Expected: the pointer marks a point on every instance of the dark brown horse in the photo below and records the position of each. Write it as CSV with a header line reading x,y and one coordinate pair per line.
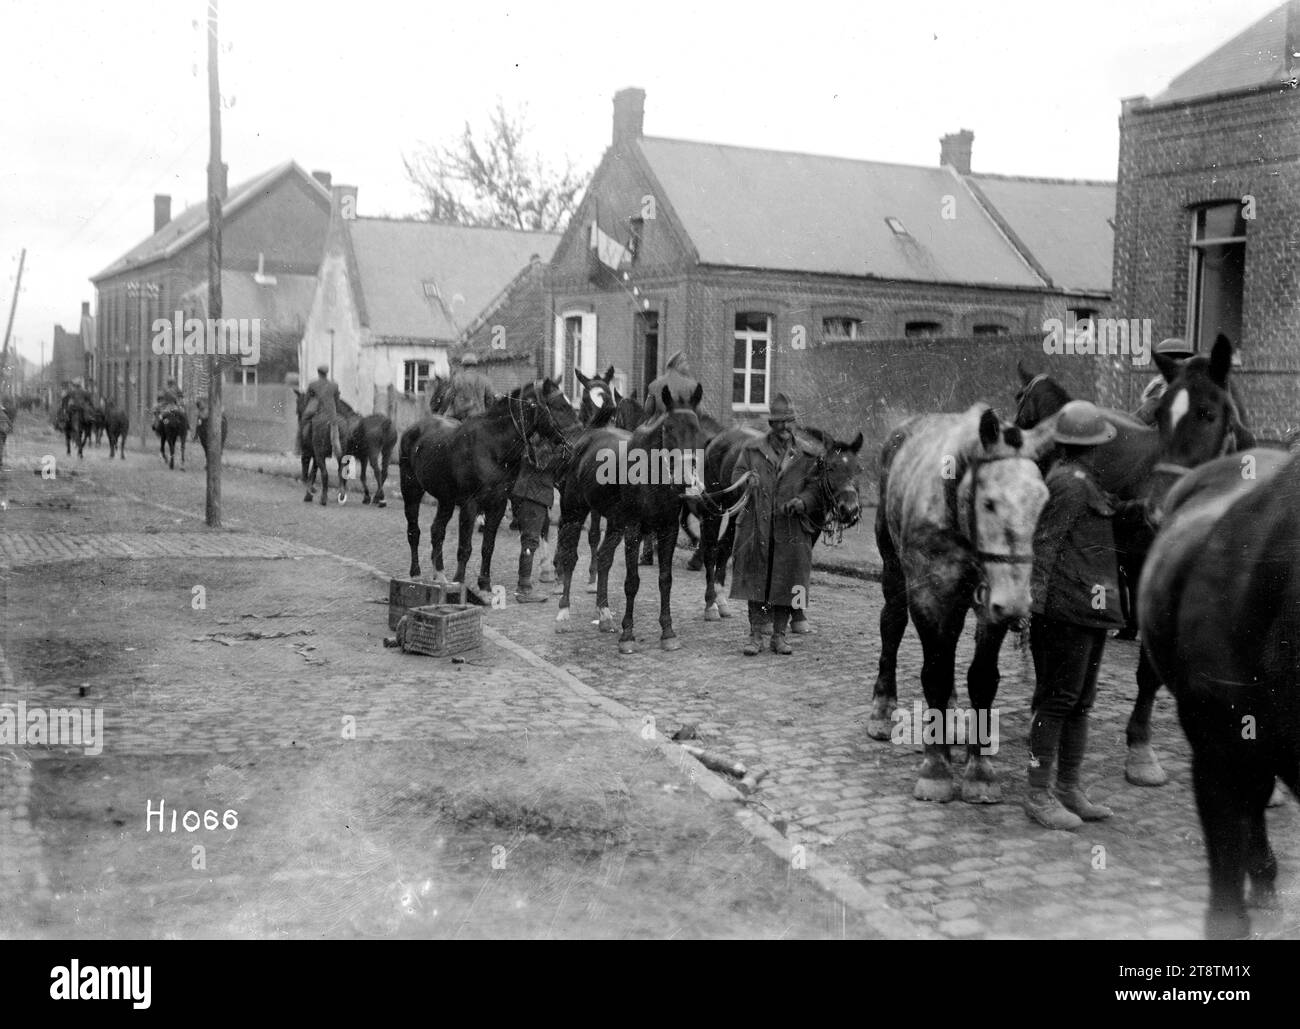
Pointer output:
x,y
116,425
1139,464
316,443
619,476
370,439
833,478
603,406
471,466
173,427
1219,605
74,421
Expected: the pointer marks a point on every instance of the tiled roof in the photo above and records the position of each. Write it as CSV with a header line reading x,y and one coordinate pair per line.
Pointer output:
x,y
282,306
193,221
429,280
1066,226
1255,57
752,208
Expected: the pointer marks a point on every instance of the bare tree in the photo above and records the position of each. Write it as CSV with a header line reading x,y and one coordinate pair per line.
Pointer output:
x,y
491,179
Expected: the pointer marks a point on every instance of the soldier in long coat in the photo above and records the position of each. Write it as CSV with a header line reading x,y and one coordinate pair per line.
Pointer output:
x,y
774,536
470,392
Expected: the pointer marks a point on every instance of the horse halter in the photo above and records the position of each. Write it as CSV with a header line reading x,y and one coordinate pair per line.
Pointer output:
x,y
988,556
833,525
521,422
1025,391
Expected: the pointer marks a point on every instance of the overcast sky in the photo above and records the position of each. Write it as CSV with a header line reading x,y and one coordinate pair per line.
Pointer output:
x,y
105,104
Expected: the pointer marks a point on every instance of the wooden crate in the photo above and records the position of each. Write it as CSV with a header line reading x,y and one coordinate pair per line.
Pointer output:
x,y
440,630
406,594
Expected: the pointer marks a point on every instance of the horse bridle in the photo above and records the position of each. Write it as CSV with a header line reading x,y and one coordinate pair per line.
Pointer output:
x,y
988,556
833,525
521,425
1024,394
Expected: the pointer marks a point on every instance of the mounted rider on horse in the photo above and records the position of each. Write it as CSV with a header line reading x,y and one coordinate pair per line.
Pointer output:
x,y
469,393
322,408
172,398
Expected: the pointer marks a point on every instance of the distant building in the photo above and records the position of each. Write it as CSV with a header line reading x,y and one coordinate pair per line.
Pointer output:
x,y
742,258
68,357
1208,218
396,297
273,232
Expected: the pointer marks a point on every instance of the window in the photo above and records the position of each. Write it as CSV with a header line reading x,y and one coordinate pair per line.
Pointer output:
x,y
575,347
431,290
1218,274
991,329
635,235
244,378
1074,315
841,328
573,341
896,226
415,376
916,330
752,364
645,350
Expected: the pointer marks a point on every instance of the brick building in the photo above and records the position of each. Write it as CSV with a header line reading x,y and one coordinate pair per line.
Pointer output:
x,y
397,296
273,231
1208,216
744,258
72,358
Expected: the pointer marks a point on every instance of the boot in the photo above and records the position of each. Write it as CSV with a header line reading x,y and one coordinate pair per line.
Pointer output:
x,y
800,627
779,644
1074,799
754,645
524,594
1044,808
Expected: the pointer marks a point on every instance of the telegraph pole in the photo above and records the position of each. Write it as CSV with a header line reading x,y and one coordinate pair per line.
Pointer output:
x,y
214,273
13,306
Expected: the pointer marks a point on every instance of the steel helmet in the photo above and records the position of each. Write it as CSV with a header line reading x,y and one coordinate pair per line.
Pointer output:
x,y
469,358
1174,347
1081,424
782,410
322,369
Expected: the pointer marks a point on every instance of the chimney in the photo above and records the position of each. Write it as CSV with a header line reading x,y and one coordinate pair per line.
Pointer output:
x,y
629,114
162,210
343,203
324,178
954,149
85,309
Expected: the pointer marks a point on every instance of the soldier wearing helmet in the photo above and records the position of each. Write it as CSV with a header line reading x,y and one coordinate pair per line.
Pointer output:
x,y
1179,351
1075,601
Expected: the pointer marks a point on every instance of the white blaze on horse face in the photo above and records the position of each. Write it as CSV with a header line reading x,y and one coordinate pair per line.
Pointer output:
x,y
598,398
1015,490
1178,407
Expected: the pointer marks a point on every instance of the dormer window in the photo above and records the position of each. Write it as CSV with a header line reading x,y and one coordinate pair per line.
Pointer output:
x,y
896,226
431,290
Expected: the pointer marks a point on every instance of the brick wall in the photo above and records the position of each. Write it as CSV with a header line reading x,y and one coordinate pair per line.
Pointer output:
x,y
1175,157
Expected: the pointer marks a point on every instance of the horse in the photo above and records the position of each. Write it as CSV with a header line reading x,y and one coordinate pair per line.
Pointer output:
x,y
201,431
1219,606
602,479
369,438
97,421
173,426
116,424
832,478
960,495
602,405
316,444
471,466
74,422
1132,466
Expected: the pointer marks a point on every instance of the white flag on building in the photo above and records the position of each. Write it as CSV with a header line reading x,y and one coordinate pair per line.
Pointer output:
x,y
611,252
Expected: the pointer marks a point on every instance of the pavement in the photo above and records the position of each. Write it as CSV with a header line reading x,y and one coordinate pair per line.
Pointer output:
x,y
827,798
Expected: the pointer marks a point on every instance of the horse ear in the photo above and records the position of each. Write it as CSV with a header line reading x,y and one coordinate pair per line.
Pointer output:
x,y
668,399
1168,366
1025,377
582,379
856,445
609,375
698,395
1221,360
990,429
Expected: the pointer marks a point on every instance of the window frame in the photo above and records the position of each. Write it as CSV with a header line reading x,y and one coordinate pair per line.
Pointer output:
x,y
750,337
420,387
1196,249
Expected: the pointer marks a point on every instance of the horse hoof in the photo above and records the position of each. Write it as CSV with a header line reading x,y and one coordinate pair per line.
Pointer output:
x,y
343,498
627,646
938,791
670,643
1142,767
563,623
880,722
979,785
723,609
440,578
546,575
802,628
711,613
381,503
1278,796
366,499
591,586
607,625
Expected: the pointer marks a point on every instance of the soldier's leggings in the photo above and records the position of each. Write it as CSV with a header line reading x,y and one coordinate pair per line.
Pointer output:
x,y
532,520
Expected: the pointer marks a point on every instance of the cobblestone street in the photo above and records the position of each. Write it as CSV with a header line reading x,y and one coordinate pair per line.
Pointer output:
x,y
903,868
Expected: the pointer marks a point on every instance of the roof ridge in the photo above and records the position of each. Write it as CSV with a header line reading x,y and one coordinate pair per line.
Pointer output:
x,y
395,220
1046,179
791,153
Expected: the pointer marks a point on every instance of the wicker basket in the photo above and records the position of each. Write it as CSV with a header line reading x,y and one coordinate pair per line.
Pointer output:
x,y
406,594
440,630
